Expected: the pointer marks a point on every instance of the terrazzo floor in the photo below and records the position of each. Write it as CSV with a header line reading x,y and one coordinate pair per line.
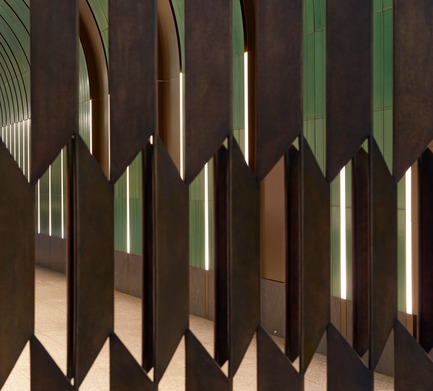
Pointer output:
x,y
50,326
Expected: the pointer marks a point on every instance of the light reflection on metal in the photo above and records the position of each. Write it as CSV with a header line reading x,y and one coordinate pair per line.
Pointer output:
x,y
247,150
408,211
181,137
206,216
343,239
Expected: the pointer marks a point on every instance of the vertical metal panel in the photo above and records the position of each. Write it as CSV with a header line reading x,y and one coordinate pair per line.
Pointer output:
x,y
221,256
17,273
132,80
413,82
125,373
348,79
148,311
383,275
274,370
413,367
94,267
244,256
345,369
202,372
315,250
208,80
361,253
278,80
44,373
293,259
171,298
54,79
425,311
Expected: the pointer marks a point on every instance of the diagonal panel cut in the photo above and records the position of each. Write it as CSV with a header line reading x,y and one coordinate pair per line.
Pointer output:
x,y
346,371
171,258
125,373
17,270
361,251
132,80
45,374
413,82
94,267
202,372
54,80
425,311
208,82
348,80
413,367
383,272
275,371
244,256
278,79
315,261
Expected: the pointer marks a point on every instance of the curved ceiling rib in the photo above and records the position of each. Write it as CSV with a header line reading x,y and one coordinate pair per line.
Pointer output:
x,y
14,61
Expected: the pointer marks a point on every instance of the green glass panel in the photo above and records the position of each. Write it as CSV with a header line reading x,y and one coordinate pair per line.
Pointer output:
x,y
319,74
388,57
377,60
388,137
135,205
44,206
335,250
308,17
120,214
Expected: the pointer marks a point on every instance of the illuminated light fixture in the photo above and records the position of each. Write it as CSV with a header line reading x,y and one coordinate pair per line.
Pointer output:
x,y
109,132
90,127
39,206
151,139
28,146
128,218
206,216
62,204
408,201
247,149
19,144
181,136
49,202
343,260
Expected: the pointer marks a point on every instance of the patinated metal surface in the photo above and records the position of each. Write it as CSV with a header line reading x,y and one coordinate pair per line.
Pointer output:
x,y
244,257
132,77
383,275
208,80
44,372
345,369
221,257
315,261
202,372
274,369
413,82
125,373
425,308
361,251
17,269
413,367
54,80
94,263
171,266
348,80
293,210
278,80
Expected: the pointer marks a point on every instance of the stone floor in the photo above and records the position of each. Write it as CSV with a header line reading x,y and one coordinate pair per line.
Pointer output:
x,y
51,330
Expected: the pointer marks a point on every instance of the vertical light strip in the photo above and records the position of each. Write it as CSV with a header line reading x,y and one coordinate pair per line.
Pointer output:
x,y
28,123
247,138
206,216
62,204
343,269
90,126
39,206
109,137
128,219
49,202
181,136
408,201
19,144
